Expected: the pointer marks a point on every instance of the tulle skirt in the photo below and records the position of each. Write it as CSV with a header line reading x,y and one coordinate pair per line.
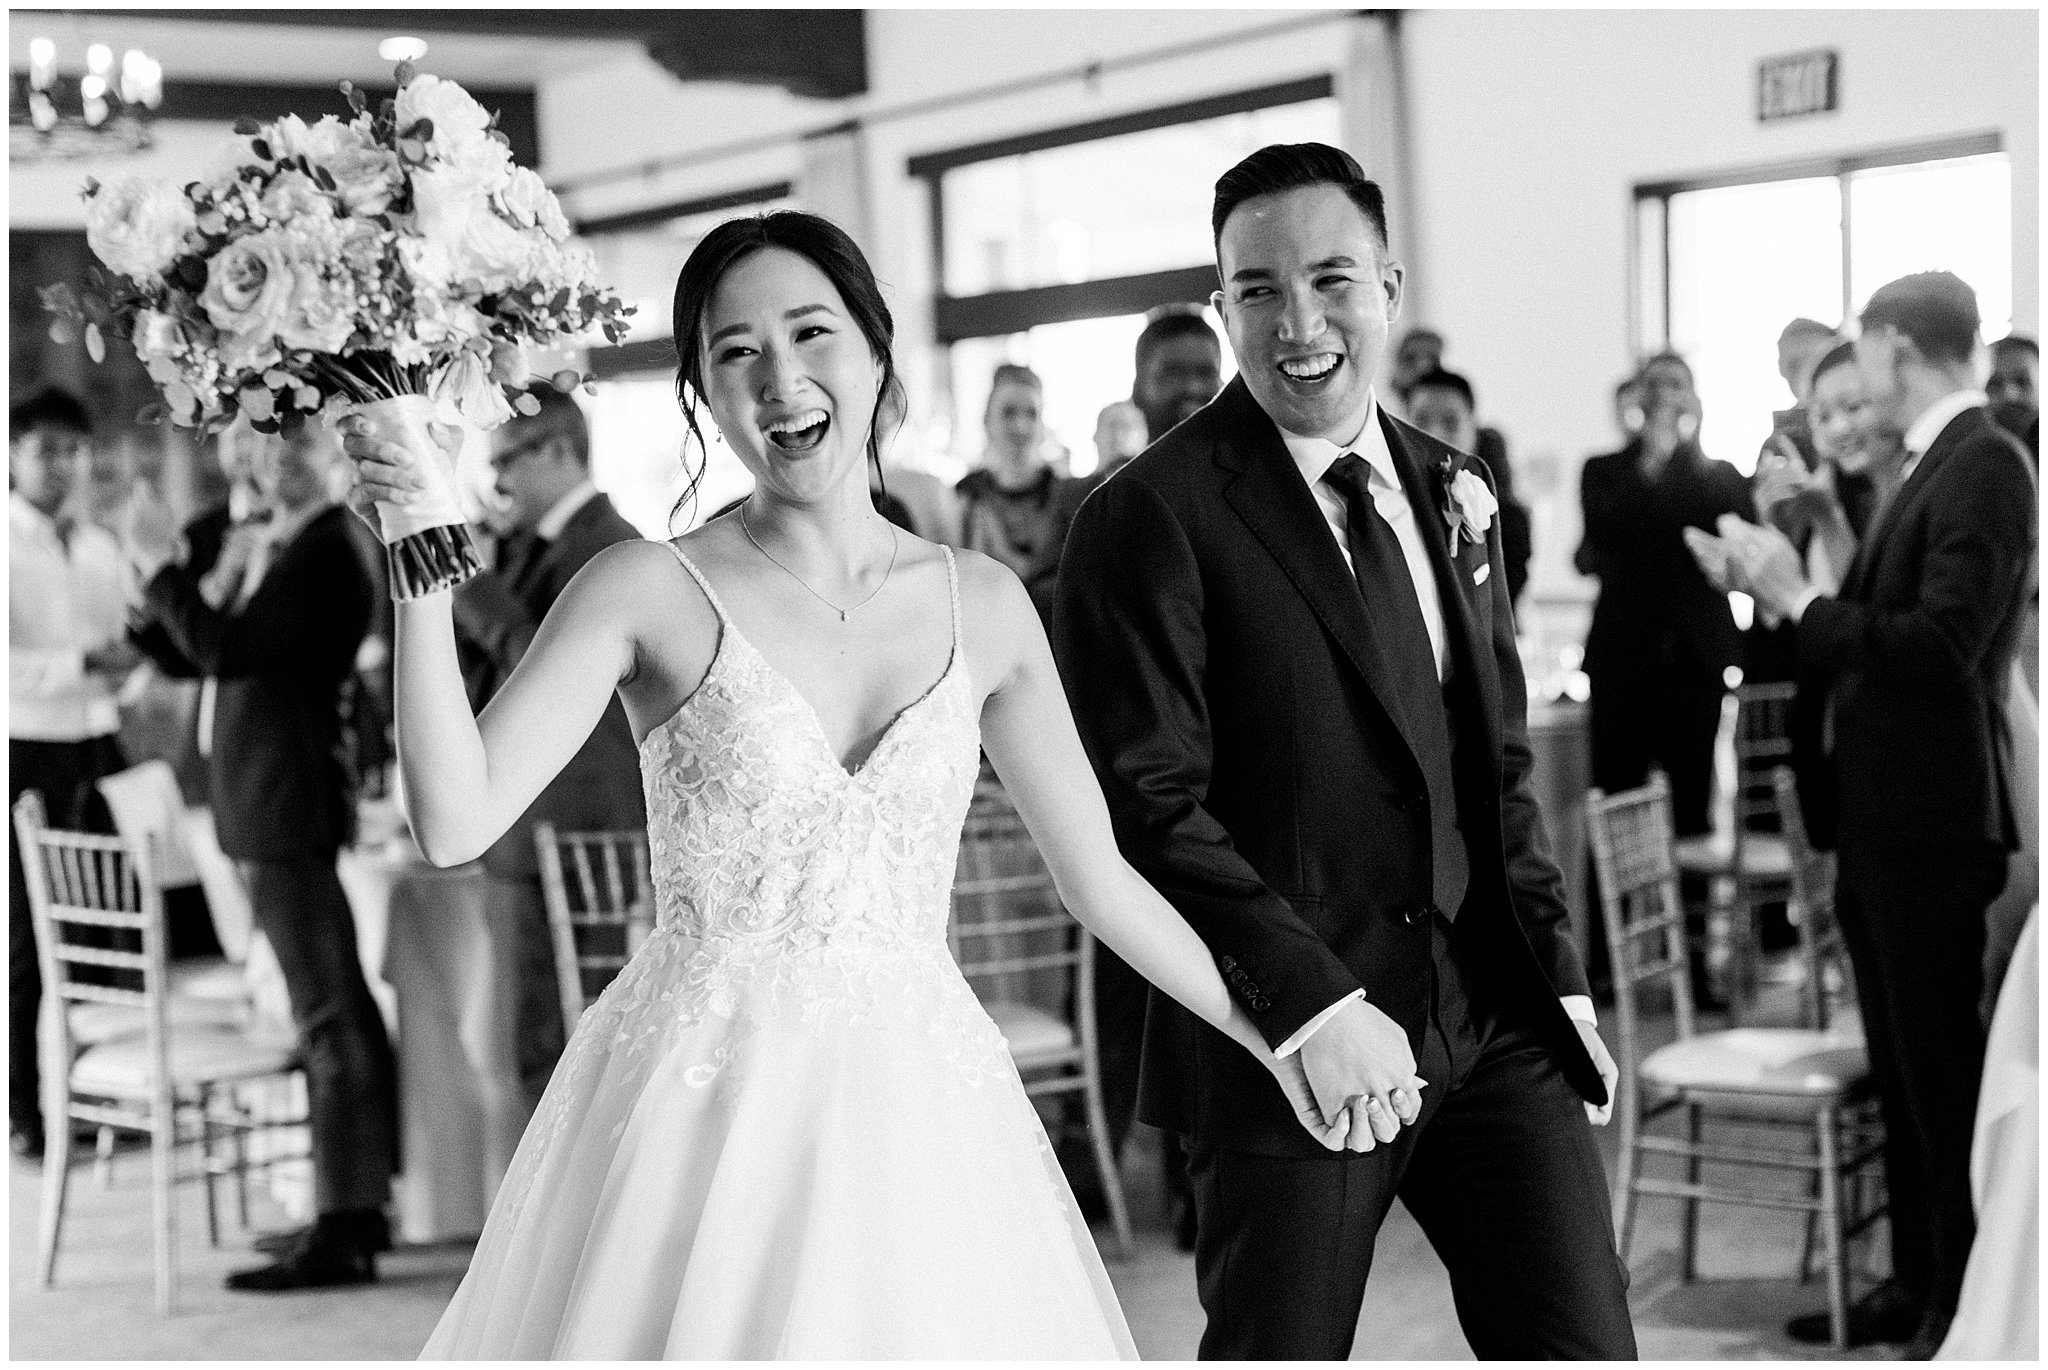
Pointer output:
x,y
850,1193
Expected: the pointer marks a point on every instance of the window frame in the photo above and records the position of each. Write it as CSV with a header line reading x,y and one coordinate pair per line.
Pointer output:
x,y
957,318
1645,339
658,354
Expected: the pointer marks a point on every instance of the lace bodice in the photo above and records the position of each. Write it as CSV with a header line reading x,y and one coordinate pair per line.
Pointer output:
x,y
762,840
786,885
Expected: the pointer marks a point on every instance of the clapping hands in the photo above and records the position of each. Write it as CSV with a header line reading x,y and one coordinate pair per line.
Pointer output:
x,y
1751,560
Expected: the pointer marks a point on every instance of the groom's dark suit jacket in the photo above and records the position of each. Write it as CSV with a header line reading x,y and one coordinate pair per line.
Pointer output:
x,y
1225,679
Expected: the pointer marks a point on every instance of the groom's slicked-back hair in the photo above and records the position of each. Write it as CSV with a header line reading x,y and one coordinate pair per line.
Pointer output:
x,y
1290,166
1936,309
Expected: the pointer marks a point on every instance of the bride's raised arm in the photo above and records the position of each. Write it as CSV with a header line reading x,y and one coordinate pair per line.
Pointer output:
x,y
1028,732
467,779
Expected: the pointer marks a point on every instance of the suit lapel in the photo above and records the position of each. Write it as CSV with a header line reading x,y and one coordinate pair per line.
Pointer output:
x,y
1856,584
1460,623
1275,503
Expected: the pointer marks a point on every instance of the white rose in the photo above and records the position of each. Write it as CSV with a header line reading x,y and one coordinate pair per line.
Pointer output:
x,y
293,193
459,121
463,236
292,136
138,227
528,202
365,177
366,174
321,318
249,287
1474,503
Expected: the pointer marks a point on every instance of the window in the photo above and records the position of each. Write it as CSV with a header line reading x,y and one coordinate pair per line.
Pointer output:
x,y
1050,247
1723,264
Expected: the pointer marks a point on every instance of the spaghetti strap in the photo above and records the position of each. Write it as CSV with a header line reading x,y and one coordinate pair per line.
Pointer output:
x,y
724,619
953,587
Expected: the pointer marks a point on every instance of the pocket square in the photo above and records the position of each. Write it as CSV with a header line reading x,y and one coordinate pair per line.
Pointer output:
x,y
1479,576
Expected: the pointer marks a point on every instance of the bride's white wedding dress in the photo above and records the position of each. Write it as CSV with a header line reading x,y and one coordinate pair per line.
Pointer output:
x,y
788,1129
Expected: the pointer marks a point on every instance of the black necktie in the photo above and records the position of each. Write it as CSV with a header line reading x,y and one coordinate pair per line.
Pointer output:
x,y
1394,607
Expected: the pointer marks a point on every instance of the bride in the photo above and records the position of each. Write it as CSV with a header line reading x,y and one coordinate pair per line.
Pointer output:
x,y
787,1129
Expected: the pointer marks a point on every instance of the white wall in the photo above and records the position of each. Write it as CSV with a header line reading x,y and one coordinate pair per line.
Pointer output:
x,y
1533,127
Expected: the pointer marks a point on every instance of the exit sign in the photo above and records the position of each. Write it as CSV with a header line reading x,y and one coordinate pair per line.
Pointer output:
x,y
1796,84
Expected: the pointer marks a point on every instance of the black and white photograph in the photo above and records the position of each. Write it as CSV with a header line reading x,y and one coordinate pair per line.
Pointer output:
x,y
1029,684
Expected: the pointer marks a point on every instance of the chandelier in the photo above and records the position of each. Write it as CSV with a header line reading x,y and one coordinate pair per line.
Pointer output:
x,y
107,111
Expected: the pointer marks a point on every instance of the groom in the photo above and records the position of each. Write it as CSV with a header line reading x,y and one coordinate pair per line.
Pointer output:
x,y
1288,641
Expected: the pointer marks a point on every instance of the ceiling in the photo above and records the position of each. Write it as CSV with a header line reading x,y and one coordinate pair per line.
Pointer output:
x,y
226,50
812,52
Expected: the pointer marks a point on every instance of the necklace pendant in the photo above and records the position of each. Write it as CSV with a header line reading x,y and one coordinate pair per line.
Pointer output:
x,y
843,615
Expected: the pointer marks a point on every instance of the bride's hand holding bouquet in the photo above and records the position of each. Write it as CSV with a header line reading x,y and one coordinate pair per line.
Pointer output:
x,y
396,267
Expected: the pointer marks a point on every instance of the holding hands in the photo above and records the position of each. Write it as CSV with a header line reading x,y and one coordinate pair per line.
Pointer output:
x,y
1359,1076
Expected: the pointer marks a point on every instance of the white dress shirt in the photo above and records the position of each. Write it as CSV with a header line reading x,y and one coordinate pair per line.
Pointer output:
x,y
1920,435
62,602
567,507
1313,457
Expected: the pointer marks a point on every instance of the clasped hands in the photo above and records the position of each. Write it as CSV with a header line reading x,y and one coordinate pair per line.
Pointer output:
x,y
1353,1082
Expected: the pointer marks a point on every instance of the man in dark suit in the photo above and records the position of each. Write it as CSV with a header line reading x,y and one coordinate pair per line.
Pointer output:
x,y
558,521
1662,638
1443,404
277,631
1290,652
1914,656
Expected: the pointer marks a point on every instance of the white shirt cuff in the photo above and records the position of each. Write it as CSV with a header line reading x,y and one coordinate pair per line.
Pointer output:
x,y
1579,1008
1308,1029
1806,597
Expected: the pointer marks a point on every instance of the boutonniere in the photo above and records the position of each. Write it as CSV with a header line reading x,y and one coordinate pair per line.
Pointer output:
x,y
1468,506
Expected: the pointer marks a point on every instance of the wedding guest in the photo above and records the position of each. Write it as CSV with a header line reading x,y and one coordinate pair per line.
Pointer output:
x,y
276,624
66,654
1628,407
1008,508
1662,638
2015,390
1915,651
1119,435
557,521
1442,404
916,501
1420,350
1178,368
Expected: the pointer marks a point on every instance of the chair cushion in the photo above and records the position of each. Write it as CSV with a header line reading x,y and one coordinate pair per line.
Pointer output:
x,y
199,1055
1762,853
1031,1032
92,1024
209,977
1788,1062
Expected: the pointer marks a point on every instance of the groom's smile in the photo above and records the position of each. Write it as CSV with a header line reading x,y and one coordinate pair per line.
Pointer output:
x,y
1307,299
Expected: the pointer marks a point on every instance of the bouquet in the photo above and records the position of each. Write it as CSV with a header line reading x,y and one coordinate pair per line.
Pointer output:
x,y
396,265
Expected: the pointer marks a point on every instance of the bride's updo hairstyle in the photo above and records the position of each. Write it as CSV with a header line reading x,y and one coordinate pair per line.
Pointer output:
x,y
824,245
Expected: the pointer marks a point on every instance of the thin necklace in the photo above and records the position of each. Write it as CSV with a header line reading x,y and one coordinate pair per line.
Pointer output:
x,y
894,546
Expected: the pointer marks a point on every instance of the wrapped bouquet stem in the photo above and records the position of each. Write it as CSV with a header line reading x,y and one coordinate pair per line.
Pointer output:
x,y
395,264
427,540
